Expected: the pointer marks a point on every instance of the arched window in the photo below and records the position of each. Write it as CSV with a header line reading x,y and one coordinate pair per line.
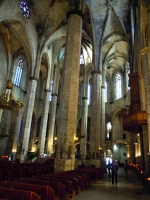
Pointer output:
x,y
89,94
81,60
105,91
18,74
109,127
118,86
24,9
51,89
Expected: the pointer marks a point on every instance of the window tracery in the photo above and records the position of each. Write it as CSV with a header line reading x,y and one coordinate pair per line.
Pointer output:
x,y
18,74
24,9
118,86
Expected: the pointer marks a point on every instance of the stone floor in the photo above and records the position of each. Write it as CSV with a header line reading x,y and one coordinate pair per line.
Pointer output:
x,y
128,188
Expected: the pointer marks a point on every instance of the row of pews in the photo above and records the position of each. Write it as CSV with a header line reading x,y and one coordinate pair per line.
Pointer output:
x,y
46,185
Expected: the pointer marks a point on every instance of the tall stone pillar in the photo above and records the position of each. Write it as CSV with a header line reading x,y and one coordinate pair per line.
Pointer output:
x,y
1,113
102,136
69,97
43,125
15,136
28,111
95,116
51,125
144,64
83,140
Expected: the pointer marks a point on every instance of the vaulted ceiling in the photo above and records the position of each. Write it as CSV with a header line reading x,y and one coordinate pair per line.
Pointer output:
x,y
106,28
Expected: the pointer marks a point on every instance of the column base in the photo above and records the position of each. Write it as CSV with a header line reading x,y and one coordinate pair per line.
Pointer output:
x,y
63,164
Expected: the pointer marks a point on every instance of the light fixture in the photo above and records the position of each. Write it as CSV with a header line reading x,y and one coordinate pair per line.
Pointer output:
x,y
7,100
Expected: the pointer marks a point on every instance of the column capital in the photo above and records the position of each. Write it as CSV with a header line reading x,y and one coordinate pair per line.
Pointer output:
x,y
77,12
47,90
33,78
54,94
96,72
84,98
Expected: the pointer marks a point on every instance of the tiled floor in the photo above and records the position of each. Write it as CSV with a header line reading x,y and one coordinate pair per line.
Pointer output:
x,y
127,189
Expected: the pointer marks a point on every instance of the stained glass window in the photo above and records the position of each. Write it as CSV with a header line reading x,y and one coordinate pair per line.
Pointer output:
x,y
105,91
51,91
24,9
81,59
118,86
18,74
89,94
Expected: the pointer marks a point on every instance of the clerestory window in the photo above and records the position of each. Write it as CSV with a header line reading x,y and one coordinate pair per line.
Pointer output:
x,y
18,74
81,60
118,86
51,89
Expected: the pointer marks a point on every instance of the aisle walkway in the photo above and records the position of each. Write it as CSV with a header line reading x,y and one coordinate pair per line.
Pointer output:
x,y
126,189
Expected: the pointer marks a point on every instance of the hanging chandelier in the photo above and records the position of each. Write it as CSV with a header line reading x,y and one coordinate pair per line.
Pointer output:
x,y
7,100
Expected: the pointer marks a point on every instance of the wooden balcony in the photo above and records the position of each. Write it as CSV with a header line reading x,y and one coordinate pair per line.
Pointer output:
x,y
134,121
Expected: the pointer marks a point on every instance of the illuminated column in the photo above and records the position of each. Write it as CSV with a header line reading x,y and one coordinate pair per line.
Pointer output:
x,y
136,149
128,152
69,97
28,111
83,140
95,114
15,136
51,125
1,113
138,144
43,125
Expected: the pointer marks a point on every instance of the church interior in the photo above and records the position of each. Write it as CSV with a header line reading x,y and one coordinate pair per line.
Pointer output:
x,y
74,81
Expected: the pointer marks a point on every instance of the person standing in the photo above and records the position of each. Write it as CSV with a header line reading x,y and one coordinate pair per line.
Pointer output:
x,y
126,168
109,168
114,172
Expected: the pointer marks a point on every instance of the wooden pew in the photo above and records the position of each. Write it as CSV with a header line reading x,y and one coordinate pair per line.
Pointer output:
x,y
6,175
45,192
13,194
18,173
66,182
75,180
60,189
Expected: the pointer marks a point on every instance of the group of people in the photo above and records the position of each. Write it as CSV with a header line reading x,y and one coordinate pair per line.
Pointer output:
x,y
114,168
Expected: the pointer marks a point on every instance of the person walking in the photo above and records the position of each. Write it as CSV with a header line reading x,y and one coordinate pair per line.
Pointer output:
x,y
114,172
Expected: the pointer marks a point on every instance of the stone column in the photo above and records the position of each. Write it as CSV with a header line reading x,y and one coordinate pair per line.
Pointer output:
x,y
95,116
136,153
83,140
69,97
102,136
128,153
144,65
28,111
51,125
15,135
43,125
1,113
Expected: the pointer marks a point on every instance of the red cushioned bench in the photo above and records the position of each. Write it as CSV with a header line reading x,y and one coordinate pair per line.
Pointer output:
x,y
6,175
60,189
13,194
75,181
66,182
45,192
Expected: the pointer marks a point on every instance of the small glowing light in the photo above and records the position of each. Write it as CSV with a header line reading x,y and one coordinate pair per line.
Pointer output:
x,y
55,138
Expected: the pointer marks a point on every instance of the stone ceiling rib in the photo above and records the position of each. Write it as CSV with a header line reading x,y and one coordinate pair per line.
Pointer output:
x,y
113,24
